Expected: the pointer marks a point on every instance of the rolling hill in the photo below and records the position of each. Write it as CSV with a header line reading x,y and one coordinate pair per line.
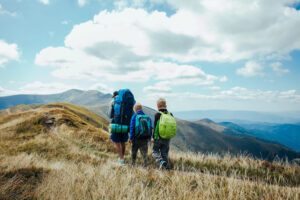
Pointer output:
x,y
225,128
74,96
241,116
286,134
199,136
63,151
207,136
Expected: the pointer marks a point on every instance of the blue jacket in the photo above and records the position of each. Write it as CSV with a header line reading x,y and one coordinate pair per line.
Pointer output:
x,y
132,124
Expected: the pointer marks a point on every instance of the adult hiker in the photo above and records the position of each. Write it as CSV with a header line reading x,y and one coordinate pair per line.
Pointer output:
x,y
164,129
121,111
111,107
140,133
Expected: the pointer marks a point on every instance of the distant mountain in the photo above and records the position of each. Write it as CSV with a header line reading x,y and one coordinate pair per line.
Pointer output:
x,y
233,126
208,136
198,136
79,97
286,134
240,116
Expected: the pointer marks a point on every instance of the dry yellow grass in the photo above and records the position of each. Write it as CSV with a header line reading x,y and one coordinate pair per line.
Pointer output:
x,y
73,158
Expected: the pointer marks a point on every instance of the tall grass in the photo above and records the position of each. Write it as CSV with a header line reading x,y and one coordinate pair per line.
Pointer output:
x,y
74,159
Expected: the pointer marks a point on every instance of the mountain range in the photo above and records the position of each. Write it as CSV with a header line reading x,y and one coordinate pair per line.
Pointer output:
x,y
241,116
74,96
286,134
208,136
196,136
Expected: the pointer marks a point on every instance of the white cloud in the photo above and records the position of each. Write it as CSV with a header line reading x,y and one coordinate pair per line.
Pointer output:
x,y
82,2
163,86
136,45
8,52
251,69
5,92
290,95
102,88
76,64
251,28
6,12
215,88
214,34
122,4
38,87
238,94
179,74
236,98
46,2
223,79
72,64
277,68
142,35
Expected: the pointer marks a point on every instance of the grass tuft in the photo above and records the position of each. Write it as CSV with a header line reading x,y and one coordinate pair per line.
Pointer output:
x,y
21,183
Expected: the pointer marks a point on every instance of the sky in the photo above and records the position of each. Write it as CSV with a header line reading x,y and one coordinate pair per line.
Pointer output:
x,y
198,54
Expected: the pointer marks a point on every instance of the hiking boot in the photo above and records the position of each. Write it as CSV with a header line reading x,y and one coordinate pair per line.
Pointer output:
x,y
163,164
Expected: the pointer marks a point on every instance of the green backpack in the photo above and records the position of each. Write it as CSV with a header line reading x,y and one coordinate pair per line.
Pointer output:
x,y
167,126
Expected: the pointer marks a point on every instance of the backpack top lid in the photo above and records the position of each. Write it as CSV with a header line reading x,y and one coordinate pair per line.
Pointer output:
x,y
121,93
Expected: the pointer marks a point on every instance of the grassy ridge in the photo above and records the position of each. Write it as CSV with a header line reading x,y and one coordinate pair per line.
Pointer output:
x,y
73,158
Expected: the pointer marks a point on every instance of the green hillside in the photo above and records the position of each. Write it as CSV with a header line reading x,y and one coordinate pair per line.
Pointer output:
x,y
63,151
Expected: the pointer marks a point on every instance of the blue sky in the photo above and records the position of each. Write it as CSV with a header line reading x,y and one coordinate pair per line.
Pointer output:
x,y
208,54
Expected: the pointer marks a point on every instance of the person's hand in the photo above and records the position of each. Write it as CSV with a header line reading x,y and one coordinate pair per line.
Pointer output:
x,y
130,141
152,140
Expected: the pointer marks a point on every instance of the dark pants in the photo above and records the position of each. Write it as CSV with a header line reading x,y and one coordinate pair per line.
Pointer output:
x,y
141,145
160,150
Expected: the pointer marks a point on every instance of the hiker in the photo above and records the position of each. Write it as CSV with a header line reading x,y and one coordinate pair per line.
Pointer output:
x,y
164,129
111,107
140,133
121,111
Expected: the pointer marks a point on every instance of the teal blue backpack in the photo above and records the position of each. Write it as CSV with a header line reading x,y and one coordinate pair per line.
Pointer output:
x,y
142,127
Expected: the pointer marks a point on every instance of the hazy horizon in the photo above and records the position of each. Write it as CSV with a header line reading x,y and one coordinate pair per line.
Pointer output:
x,y
178,111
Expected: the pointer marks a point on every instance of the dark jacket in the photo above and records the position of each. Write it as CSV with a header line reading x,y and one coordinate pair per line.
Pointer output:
x,y
156,119
132,125
111,111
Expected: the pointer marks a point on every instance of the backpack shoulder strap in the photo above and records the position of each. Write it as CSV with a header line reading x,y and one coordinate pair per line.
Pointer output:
x,y
161,112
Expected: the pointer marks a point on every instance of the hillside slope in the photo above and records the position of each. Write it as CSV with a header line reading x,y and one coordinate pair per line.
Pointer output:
x,y
199,138
206,136
63,151
192,136
287,134
225,128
